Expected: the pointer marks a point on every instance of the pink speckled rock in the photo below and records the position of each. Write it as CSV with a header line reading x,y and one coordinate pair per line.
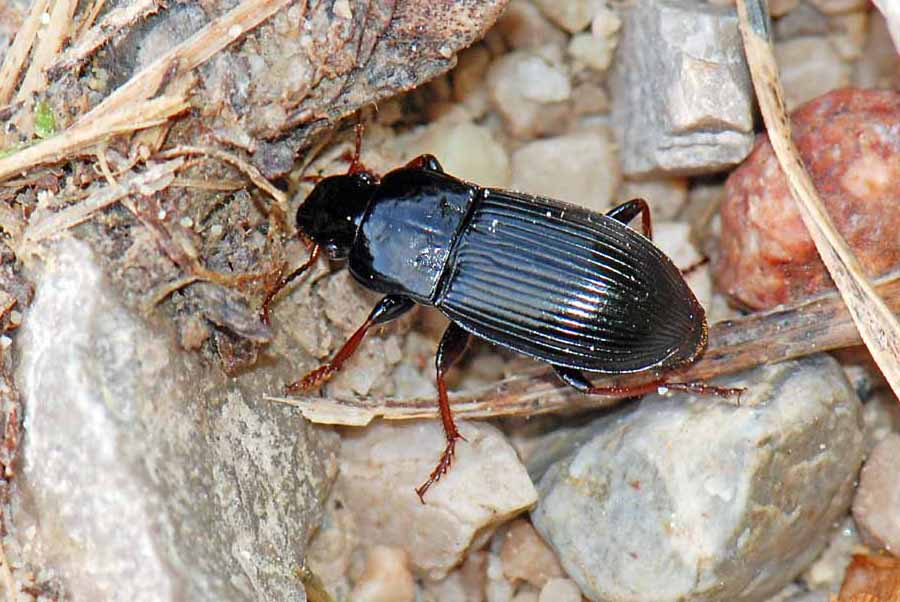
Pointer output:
x,y
850,143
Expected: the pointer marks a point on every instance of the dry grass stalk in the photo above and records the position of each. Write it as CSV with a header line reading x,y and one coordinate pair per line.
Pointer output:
x,y
80,137
115,21
186,56
819,324
18,51
281,199
879,328
156,177
49,45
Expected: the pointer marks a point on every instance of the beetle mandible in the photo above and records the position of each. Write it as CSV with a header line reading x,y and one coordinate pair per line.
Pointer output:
x,y
576,289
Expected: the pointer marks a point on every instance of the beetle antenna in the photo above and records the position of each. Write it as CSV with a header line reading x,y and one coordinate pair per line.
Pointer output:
x,y
285,280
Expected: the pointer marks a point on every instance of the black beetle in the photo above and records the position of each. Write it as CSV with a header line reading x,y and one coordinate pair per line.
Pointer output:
x,y
576,289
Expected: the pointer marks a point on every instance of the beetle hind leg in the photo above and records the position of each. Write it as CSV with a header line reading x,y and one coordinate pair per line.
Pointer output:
x,y
578,381
628,210
451,347
389,308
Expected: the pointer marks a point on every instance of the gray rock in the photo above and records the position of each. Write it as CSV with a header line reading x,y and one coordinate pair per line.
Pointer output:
x,y
152,476
696,499
682,96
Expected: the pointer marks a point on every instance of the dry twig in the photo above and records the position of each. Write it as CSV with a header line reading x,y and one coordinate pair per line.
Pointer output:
x,y
186,56
80,137
115,21
156,177
281,199
18,51
48,48
812,326
878,327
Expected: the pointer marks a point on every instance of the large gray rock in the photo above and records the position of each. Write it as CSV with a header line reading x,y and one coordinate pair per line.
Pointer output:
x,y
682,96
695,499
151,476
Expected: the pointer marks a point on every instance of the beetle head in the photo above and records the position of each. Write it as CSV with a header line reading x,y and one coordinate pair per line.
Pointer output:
x,y
333,210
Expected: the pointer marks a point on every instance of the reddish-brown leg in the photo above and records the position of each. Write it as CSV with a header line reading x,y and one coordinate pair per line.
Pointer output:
x,y
628,211
451,347
283,281
389,308
356,165
694,266
578,381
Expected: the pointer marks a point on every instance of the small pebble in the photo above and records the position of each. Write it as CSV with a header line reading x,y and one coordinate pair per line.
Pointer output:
x,y
809,67
571,15
15,317
560,590
577,168
530,92
216,230
161,215
386,577
186,222
592,51
876,507
5,342
526,557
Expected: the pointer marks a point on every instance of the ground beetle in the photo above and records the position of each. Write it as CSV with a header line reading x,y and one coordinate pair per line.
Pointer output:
x,y
576,289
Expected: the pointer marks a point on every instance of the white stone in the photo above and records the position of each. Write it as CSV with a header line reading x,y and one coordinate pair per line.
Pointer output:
x,y
560,590
466,150
381,465
578,168
386,577
809,67
526,557
666,197
674,240
523,26
571,15
530,91
592,51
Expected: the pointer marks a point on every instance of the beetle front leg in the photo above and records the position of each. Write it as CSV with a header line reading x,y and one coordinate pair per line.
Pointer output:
x,y
451,347
578,381
389,308
628,211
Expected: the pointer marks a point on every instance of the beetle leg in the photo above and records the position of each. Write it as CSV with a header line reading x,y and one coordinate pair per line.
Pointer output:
x,y
451,347
687,271
389,308
628,211
285,280
578,381
426,161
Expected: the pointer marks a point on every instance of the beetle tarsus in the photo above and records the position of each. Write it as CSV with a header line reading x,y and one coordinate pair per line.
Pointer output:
x,y
443,466
579,382
314,379
450,349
